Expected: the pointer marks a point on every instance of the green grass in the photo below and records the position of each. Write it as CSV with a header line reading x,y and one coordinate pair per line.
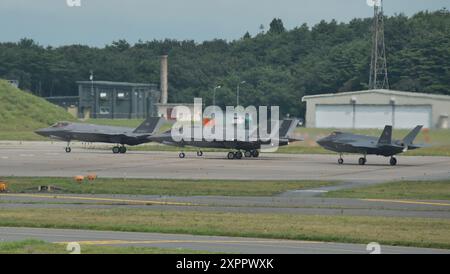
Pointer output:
x,y
419,190
419,232
163,187
40,247
23,112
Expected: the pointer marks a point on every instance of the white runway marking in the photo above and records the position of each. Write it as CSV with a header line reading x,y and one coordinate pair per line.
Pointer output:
x,y
26,155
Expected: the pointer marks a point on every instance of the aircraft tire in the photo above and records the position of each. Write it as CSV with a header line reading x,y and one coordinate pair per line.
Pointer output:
x,y
238,155
123,150
248,154
116,150
341,161
362,161
68,150
231,155
182,155
393,161
199,153
255,153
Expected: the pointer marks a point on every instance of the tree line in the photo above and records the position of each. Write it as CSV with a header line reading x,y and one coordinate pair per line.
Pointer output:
x,y
279,66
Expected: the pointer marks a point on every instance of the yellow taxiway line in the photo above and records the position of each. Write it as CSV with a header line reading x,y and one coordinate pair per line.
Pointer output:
x,y
406,202
114,200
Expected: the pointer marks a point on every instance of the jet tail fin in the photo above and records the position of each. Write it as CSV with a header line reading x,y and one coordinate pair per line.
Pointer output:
x,y
409,139
151,125
287,127
386,136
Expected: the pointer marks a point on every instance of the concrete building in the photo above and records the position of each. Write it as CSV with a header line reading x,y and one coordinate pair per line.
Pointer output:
x,y
117,100
377,108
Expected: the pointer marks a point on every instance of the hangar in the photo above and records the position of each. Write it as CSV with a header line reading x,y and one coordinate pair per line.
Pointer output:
x,y
377,108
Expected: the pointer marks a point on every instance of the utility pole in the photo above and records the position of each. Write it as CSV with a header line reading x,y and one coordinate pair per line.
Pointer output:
x,y
378,65
238,90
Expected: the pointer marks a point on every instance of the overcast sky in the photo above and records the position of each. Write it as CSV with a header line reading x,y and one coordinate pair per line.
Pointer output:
x,y
98,22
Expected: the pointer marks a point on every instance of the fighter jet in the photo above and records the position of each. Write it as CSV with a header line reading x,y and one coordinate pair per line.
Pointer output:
x,y
67,131
250,148
367,145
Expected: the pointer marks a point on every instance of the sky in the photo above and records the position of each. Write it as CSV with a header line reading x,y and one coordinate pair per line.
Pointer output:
x,y
99,22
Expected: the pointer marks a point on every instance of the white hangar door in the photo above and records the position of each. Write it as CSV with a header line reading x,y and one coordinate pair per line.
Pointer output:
x,y
334,116
408,117
373,116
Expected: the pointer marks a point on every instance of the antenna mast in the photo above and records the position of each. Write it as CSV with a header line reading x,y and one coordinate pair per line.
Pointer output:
x,y
378,65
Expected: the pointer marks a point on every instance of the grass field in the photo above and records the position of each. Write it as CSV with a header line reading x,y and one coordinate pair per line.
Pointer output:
x,y
41,247
163,187
422,190
22,112
346,229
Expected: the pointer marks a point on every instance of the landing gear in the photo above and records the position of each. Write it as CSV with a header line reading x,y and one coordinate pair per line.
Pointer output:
x,y
362,161
340,160
393,161
119,149
231,155
182,155
199,153
68,149
239,155
255,153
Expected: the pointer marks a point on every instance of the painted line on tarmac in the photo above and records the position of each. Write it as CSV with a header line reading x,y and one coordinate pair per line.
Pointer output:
x,y
126,201
406,202
258,243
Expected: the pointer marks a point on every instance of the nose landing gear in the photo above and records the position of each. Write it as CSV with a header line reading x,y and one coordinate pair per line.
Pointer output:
x,y
68,149
393,161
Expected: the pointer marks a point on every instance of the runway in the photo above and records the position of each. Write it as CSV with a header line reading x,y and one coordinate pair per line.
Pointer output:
x,y
49,159
271,205
199,243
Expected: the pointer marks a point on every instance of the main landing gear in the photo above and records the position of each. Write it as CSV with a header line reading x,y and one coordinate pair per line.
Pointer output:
x,y
239,155
362,161
119,149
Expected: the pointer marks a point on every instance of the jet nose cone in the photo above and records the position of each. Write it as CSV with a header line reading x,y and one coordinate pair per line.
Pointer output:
x,y
322,141
42,132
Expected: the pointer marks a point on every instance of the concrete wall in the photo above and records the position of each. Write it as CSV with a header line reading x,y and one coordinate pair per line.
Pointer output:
x,y
440,106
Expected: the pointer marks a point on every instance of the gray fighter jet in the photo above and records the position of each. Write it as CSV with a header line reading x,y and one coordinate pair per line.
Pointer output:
x,y
367,145
250,148
121,136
